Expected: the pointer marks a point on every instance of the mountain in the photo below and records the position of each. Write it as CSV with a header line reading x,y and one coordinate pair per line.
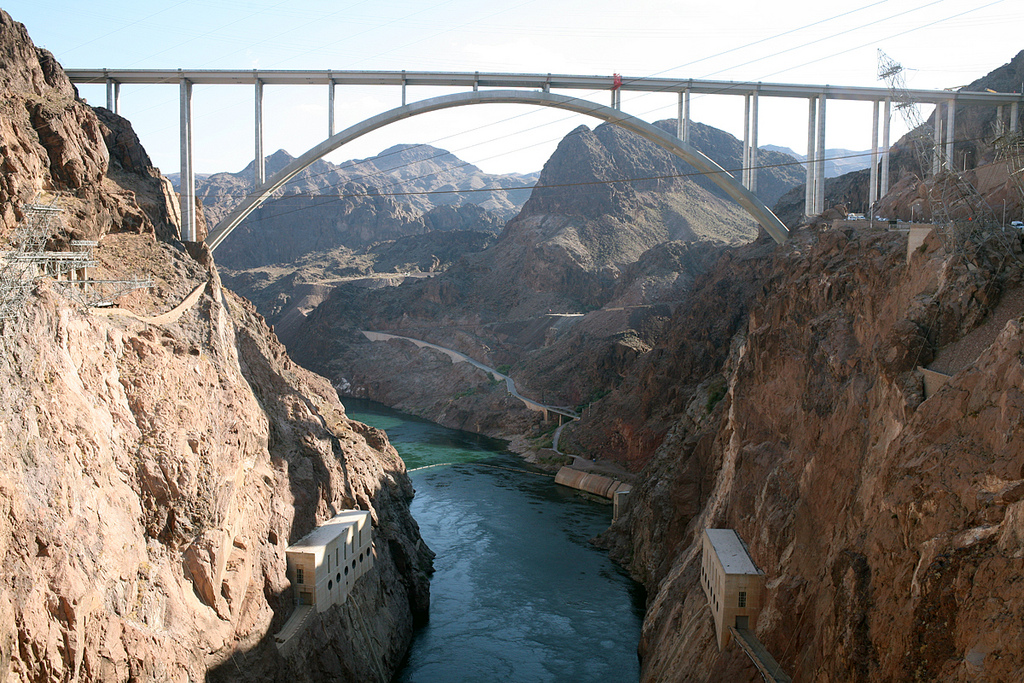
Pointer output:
x,y
837,161
405,190
584,242
777,172
157,457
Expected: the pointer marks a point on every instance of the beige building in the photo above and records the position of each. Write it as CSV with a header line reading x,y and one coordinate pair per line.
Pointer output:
x,y
324,564
732,583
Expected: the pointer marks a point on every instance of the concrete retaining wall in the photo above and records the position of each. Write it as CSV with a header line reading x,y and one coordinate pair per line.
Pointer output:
x,y
933,381
597,484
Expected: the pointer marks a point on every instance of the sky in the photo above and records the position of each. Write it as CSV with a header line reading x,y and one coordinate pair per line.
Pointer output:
x,y
941,43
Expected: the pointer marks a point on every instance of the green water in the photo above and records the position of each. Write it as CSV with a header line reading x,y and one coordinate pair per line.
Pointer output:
x,y
518,594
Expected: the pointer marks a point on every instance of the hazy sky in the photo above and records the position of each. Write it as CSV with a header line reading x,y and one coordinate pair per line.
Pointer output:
x,y
943,43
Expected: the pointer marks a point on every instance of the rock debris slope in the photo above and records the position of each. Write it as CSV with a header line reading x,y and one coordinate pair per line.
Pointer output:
x,y
151,475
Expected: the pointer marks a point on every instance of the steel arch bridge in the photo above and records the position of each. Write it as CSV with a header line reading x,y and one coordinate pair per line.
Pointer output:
x,y
744,197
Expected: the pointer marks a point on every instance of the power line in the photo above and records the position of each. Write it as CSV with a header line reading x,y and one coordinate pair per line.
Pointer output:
x,y
582,97
613,181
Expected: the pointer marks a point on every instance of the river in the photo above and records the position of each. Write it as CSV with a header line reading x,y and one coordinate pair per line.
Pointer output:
x,y
518,593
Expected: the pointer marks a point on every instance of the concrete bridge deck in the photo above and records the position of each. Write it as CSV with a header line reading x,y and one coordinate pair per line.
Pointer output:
x,y
543,81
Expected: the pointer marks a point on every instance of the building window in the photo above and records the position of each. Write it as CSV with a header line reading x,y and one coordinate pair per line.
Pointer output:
x,y
743,599
299,575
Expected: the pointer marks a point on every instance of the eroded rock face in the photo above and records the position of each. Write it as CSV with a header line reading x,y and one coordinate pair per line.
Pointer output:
x,y
152,478
887,524
51,142
152,472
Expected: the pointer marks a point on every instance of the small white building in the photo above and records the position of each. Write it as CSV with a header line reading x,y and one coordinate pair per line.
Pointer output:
x,y
734,586
324,564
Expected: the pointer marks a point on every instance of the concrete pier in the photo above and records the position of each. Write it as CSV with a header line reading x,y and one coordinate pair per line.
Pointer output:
x,y
752,178
812,105
873,187
259,164
113,96
330,108
819,165
885,147
188,174
950,135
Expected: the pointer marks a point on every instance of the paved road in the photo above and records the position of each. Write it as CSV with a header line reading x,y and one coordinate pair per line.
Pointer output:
x,y
458,357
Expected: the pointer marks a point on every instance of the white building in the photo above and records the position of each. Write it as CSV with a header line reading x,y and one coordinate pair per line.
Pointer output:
x,y
324,564
733,585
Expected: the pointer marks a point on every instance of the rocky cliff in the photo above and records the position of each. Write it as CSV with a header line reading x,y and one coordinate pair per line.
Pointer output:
x,y
784,401
156,461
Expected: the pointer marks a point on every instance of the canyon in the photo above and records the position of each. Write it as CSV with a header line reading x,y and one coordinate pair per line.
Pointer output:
x,y
155,468
774,389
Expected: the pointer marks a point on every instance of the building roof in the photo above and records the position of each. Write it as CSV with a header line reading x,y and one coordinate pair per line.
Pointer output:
x,y
328,531
731,551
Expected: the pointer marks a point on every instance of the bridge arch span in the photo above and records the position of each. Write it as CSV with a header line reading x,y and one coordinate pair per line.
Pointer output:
x,y
744,197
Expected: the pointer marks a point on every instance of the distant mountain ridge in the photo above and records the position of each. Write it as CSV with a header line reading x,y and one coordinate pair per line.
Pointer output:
x,y
837,161
404,190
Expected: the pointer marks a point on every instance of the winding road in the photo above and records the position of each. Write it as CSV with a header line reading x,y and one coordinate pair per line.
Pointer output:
x,y
458,357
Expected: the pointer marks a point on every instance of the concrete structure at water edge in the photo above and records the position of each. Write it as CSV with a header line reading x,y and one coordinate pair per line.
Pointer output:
x,y
732,583
597,484
325,563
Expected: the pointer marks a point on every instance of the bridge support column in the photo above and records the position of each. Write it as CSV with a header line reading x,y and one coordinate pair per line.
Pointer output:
x,y
1013,117
680,117
937,139
819,170
685,137
950,127
812,153
745,163
113,96
258,161
683,116
885,147
403,87
753,143
873,187
1000,123
188,176
330,108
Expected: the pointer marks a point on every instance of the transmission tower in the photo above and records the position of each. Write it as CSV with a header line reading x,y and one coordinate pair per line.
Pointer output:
x,y
1010,149
28,260
957,208
20,265
892,72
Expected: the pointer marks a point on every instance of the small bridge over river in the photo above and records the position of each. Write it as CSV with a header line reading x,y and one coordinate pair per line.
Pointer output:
x,y
536,89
